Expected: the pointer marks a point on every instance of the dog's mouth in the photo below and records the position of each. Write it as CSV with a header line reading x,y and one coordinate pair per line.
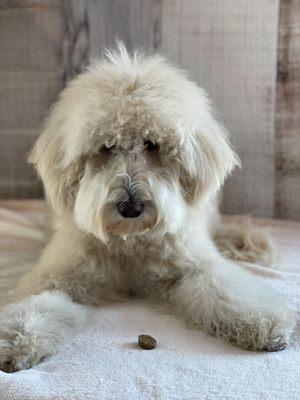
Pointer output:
x,y
130,217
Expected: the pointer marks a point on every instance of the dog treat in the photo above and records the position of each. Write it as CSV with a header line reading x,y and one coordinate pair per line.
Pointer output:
x,y
147,342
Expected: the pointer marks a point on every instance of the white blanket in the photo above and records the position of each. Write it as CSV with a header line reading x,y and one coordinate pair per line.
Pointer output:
x,y
104,361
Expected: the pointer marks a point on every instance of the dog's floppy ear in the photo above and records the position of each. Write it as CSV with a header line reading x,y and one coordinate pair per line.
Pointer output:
x,y
207,160
60,179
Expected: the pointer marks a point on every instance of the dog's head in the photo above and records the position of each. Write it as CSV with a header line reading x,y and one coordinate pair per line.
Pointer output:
x,y
130,147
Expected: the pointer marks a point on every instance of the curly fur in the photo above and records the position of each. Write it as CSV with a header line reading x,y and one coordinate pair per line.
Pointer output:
x,y
93,156
242,241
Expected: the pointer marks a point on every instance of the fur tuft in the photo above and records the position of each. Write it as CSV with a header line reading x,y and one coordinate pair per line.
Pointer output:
x,y
242,241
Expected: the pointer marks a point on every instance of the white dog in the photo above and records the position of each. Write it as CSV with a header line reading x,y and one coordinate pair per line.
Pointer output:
x,y
132,158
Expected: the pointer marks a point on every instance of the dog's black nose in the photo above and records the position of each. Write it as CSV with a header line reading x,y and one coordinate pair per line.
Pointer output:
x,y
130,208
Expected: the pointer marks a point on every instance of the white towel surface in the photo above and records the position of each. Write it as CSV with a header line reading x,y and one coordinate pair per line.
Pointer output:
x,y
104,361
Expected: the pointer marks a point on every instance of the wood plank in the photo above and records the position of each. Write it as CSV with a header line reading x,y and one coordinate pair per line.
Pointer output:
x,y
135,22
76,37
229,48
17,178
28,97
30,3
288,112
29,36
288,192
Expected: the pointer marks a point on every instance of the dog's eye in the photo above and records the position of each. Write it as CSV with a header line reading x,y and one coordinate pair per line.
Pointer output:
x,y
105,150
150,146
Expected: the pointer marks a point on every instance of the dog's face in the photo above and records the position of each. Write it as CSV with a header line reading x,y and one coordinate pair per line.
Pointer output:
x,y
129,185
131,146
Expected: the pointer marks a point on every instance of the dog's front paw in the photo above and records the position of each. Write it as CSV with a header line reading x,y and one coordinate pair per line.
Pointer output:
x,y
278,336
6,359
36,328
276,344
15,354
268,332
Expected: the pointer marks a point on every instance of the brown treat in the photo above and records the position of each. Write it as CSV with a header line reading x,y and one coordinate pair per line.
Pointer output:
x,y
147,342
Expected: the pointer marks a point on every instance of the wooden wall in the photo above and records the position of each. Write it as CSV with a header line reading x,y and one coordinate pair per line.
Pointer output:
x,y
30,77
287,134
230,48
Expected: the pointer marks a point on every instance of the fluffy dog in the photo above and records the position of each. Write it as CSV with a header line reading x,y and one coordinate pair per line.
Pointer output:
x,y
132,159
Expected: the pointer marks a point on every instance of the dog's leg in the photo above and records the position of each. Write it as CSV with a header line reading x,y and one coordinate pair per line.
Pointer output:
x,y
35,328
44,315
224,300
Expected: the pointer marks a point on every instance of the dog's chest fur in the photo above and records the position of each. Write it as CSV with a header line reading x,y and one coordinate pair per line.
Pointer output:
x,y
138,266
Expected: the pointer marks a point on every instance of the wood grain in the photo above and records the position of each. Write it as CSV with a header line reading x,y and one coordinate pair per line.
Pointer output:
x,y
29,93
17,178
230,49
30,77
288,112
76,37
43,44
135,22
29,37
